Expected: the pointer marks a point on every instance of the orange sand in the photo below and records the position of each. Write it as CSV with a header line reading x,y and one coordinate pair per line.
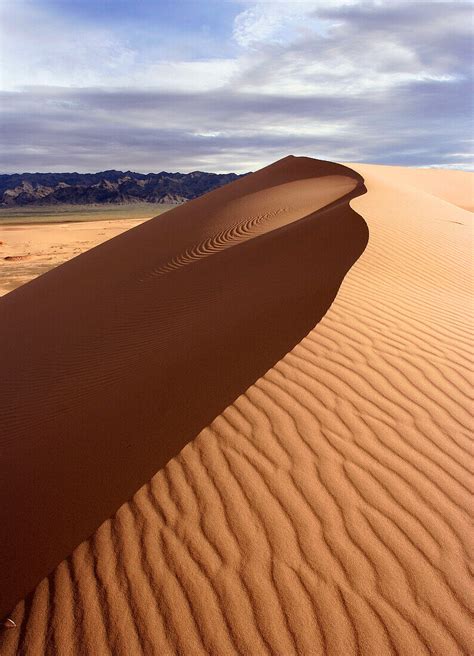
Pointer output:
x,y
326,510
29,250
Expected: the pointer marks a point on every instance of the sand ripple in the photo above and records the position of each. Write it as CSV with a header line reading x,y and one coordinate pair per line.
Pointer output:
x,y
327,510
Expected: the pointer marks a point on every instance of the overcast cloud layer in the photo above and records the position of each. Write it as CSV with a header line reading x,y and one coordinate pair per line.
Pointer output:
x,y
233,85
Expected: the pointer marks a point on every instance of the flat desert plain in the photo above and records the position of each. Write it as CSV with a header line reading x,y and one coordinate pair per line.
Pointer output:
x,y
243,427
36,239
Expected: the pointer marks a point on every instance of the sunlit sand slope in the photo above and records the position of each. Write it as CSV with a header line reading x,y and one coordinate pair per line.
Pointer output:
x,y
456,187
327,510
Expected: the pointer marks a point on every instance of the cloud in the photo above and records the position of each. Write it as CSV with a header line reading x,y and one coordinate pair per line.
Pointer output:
x,y
44,49
360,81
272,23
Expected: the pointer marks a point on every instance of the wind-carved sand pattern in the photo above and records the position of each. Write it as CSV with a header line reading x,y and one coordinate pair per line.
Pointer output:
x,y
230,230
327,511
237,232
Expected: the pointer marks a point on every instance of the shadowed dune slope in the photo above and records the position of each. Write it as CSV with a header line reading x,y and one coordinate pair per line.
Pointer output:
x,y
112,362
327,511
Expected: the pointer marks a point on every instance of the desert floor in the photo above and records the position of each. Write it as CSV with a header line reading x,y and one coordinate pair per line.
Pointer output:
x,y
244,427
34,240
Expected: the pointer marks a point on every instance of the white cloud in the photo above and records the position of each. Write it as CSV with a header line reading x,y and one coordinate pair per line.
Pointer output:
x,y
345,48
348,81
186,75
280,21
41,48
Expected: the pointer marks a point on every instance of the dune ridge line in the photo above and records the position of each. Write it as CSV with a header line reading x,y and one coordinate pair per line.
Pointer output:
x,y
328,510
113,361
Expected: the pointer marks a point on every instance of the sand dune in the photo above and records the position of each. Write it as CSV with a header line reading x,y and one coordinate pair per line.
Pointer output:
x,y
455,187
326,510
133,352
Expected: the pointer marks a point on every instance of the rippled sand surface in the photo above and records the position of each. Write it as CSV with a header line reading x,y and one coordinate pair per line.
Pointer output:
x,y
318,339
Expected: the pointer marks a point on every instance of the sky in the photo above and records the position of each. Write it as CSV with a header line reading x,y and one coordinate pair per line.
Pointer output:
x,y
233,85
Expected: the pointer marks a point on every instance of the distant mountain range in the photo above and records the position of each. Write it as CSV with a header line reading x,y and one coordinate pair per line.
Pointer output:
x,y
19,189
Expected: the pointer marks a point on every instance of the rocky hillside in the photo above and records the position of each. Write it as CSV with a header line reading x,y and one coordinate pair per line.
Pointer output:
x,y
106,187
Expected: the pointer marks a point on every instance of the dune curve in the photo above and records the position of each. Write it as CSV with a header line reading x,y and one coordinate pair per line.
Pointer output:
x,y
113,361
328,510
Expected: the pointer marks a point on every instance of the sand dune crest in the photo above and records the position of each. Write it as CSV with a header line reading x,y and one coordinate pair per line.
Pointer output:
x,y
113,361
328,509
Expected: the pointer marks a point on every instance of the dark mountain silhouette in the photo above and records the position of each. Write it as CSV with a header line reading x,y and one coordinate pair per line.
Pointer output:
x,y
107,187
